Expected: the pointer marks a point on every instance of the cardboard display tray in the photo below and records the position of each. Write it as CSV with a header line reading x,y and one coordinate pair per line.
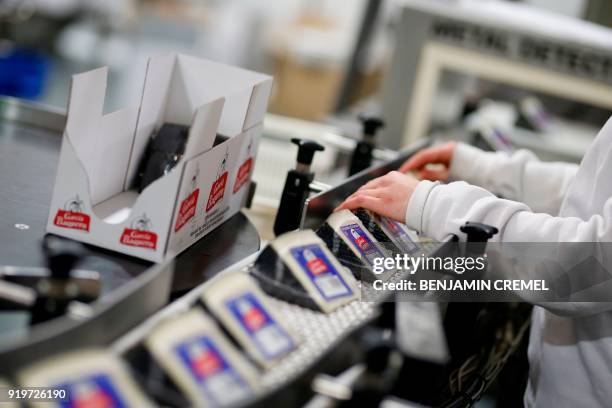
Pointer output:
x,y
30,139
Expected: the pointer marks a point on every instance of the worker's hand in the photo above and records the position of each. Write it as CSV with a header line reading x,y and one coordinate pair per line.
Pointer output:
x,y
423,162
388,195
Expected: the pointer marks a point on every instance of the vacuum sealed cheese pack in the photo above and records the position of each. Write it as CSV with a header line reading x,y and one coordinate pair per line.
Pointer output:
x,y
315,267
403,238
201,361
356,236
89,378
244,310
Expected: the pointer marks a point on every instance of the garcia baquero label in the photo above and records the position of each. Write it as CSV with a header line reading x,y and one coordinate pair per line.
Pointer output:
x,y
217,191
73,220
244,174
187,210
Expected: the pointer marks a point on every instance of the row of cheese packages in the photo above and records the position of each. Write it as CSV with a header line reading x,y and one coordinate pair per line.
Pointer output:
x,y
201,350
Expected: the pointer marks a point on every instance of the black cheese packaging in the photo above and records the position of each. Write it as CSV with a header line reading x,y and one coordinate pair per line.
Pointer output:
x,y
193,351
354,245
92,378
244,310
299,268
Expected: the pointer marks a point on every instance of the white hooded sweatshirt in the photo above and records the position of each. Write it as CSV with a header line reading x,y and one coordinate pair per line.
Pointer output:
x,y
570,346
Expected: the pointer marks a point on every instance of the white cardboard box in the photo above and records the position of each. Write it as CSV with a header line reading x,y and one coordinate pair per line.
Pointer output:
x,y
92,199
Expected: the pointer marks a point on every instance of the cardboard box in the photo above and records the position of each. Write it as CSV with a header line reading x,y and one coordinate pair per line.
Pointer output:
x,y
93,199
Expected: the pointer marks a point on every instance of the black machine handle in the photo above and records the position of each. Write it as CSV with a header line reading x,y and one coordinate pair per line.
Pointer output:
x,y
371,124
478,235
62,255
55,293
478,232
306,150
361,158
297,187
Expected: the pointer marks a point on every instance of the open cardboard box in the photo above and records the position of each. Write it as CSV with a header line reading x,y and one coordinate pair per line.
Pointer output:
x,y
94,200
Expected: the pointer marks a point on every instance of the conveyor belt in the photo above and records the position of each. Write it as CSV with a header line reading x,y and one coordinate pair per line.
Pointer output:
x,y
319,333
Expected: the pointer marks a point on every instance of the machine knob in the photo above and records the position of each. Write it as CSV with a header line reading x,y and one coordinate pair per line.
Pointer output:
x,y
478,232
54,294
306,150
297,188
477,236
62,255
371,124
362,155
378,345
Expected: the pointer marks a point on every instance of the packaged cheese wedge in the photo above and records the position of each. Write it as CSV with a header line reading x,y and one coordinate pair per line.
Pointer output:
x,y
201,361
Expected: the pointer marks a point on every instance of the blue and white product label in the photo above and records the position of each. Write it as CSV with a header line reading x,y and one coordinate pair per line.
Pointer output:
x,y
321,272
269,337
398,233
364,245
96,390
219,380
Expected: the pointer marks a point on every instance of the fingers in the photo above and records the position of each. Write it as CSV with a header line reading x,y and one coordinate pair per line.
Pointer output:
x,y
434,174
381,182
433,155
381,193
420,159
367,201
377,182
388,195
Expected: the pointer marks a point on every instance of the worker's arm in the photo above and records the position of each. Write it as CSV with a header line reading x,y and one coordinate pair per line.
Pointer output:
x,y
520,176
438,210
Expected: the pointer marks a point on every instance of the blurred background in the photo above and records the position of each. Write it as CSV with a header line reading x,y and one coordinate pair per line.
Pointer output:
x,y
308,45
331,60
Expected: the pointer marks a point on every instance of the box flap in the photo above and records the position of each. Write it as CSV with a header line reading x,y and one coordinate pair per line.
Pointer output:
x,y
204,128
97,137
258,105
210,80
152,113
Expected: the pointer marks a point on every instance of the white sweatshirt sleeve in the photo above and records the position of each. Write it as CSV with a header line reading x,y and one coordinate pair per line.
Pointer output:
x,y
438,210
520,176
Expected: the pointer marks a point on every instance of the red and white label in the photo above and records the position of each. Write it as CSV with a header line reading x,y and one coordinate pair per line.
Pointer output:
x,y
138,238
217,191
94,399
74,220
363,244
207,364
187,210
254,319
244,174
316,266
